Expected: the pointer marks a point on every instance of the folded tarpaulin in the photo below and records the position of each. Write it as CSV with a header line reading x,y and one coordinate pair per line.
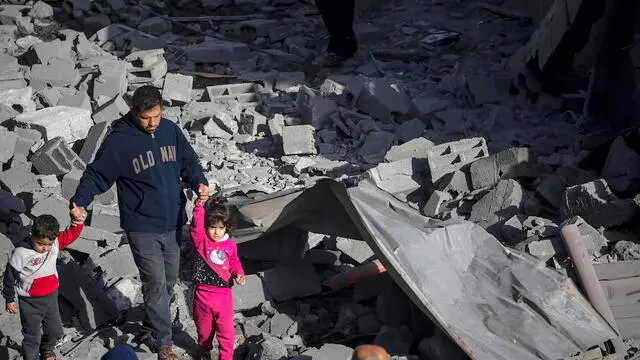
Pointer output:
x,y
494,302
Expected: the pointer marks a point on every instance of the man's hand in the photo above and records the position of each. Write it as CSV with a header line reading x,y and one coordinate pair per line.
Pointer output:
x,y
78,215
12,308
242,279
203,192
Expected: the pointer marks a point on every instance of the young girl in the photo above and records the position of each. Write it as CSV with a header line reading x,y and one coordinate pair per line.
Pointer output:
x,y
215,267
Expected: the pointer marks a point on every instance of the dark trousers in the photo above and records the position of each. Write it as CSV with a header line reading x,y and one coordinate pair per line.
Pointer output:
x,y
41,324
337,16
157,257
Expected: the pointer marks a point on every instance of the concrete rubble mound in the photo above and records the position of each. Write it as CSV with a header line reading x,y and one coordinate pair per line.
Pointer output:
x,y
439,168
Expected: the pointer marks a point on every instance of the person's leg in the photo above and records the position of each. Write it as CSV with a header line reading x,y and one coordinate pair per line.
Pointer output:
x,y
31,314
171,250
338,17
203,318
225,331
148,257
51,324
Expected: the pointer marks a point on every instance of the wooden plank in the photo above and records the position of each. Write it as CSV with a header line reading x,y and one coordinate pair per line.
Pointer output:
x,y
617,270
626,311
622,291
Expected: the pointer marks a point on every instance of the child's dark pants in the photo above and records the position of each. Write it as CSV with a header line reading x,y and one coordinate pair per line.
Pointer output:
x,y
41,324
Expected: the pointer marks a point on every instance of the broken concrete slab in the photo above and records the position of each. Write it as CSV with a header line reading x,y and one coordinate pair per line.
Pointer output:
x,y
512,163
18,179
55,205
449,157
382,100
125,293
416,148
357,250
595,203
497,206
249,296
289,281
177,89
400,177
95,136
376,146
70,123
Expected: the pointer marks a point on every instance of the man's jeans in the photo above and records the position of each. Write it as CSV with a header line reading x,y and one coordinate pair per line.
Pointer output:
x,y
157,257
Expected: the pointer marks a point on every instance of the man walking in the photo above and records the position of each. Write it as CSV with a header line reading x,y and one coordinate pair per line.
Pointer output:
x,y
337,16
146,156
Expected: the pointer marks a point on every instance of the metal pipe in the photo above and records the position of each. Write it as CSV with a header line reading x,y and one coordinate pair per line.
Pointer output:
x,y
357,274
589,280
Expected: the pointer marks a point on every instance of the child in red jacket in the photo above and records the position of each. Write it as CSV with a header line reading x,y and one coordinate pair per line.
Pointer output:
x,y
31,273
215,267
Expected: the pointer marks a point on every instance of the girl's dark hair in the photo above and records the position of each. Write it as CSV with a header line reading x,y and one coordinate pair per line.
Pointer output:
x,y
45,226
216,211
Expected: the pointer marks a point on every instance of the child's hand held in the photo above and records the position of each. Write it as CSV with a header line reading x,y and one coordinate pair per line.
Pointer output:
x,y
12,308
242,279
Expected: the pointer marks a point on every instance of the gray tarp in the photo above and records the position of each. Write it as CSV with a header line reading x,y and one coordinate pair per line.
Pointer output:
x,y
495,303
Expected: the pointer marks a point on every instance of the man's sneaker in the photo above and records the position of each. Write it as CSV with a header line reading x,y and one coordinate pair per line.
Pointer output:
x,y
166,353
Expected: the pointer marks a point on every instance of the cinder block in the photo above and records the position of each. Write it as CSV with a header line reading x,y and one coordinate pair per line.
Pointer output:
x,y
112,110
432,207
400,177
416,148
252,123
59,121
276,126
244,93
106,218
112,80
508,164
382,100
94,139
299,140
146,66
55,158
315,110
177,89
449,157
70,183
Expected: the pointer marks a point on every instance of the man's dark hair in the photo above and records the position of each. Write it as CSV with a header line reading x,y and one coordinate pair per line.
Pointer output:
x,y
45,226
144,98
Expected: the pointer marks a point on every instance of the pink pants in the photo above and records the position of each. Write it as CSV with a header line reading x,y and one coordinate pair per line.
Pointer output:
x,y
213,315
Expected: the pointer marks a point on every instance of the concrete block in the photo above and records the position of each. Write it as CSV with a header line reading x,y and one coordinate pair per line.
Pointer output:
x,y
269,348
512,163
410,130
399,177
86,295
103,238
249,296
111,111
289,281
299,140
54,205
521,227
18,179
453,120
449,157
547,248
376,146
382,100
177,89
226,121
596,204
146,66
497,206
213,130
217,51
112,80
357,250
622,168
95,137
289,82
280,325
79,99
115,264
8,141
20,100
315,110
416,148
244,93
43,52
456,183
70,183
252,123
59,121
276,126
55,158
433,205
106,218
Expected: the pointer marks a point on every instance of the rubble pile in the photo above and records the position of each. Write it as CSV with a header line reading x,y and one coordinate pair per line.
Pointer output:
x,y
447,137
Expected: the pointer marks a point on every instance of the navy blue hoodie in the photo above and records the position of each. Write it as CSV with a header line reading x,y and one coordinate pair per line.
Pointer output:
x,y
146,169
